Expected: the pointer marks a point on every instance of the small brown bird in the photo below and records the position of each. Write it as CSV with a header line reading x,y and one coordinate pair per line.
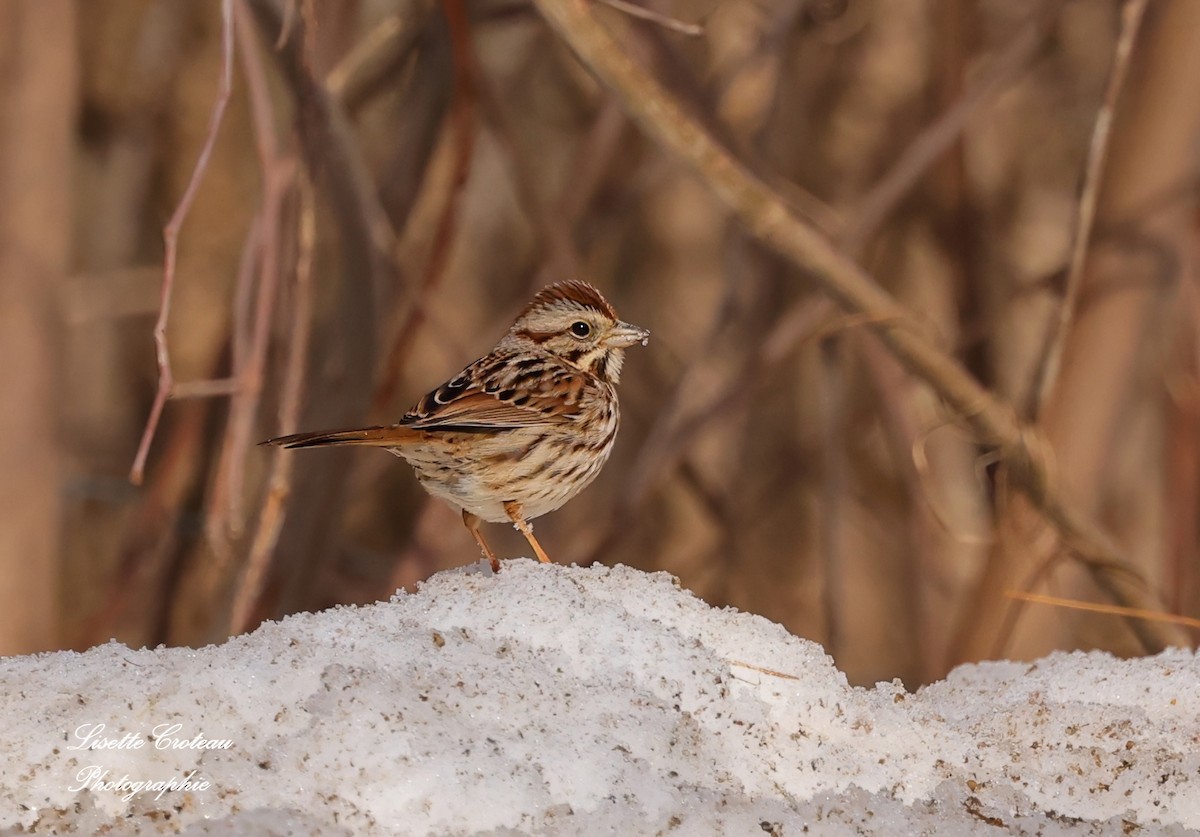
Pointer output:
x,y
523,429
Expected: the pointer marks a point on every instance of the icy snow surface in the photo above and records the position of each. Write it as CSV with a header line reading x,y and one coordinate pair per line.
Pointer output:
x,y
561,700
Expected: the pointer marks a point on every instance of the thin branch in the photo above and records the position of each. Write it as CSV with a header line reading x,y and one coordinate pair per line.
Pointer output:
x,y
279,481
772,672
416,561
166,377
331,151
462,120
243,294
1039,575
833,493
1112,610
149,547
220,501
560,255
378,60
589,164
278,171
673,431
1131,22
205,389
937,138
769,218
285,27
366,53
916,556
668,439
657,18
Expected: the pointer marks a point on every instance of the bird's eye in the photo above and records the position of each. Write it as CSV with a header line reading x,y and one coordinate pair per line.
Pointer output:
x,y
581,329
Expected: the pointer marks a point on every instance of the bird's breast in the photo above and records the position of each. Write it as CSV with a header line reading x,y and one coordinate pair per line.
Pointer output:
x,y
539,467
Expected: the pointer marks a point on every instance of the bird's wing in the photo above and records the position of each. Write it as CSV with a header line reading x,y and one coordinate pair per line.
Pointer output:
x,y
502,391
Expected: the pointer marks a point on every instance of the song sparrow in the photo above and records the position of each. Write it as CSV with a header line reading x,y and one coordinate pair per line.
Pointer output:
x,y
523,429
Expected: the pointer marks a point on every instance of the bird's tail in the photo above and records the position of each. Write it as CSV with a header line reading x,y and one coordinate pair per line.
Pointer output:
x,y
380,437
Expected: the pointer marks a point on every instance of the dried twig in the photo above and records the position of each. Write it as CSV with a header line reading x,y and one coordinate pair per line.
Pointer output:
x,y
1181,576
462,119
344,334
668,439
560,255
769,218
327,140
657,18
918,458
278,171
1100,376
1113,610
1039,575
166,377
243,294
902,434
929,146
590,162
382,37
150,540
833,492
673,431
1131,22
205,389
761,670
274,507
373,65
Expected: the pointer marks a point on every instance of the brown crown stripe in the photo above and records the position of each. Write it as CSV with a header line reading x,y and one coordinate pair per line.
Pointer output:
x,y
573,291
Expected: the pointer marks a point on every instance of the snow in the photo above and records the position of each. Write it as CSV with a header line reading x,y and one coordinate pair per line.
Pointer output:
x,y
559,700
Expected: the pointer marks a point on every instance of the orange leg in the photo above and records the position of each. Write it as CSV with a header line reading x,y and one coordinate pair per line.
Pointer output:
x,y
472,524
513,510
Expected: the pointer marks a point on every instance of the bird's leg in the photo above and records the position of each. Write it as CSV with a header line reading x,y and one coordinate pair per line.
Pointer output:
x,y
513,510
472,523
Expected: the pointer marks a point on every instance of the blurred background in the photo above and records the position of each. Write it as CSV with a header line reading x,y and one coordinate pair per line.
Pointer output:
x,y
391,180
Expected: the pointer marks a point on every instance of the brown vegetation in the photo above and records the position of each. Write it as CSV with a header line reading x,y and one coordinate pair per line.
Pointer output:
x,y
920,276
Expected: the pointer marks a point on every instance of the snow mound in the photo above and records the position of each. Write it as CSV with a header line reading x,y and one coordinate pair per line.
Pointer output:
x,y
560,700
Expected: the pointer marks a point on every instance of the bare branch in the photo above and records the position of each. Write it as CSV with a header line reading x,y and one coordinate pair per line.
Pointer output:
x,y
166,378
1112,610
462,119
205,389
634,10
939,136
365,53
374,63
271,517
769,218
278,172
1131,22
833,494
332,152
561,257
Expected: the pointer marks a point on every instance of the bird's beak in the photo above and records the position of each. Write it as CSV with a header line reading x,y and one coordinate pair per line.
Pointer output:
x,y
625,335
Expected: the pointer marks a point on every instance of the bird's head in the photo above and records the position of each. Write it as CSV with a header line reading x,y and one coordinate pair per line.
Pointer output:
x,y
575,322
